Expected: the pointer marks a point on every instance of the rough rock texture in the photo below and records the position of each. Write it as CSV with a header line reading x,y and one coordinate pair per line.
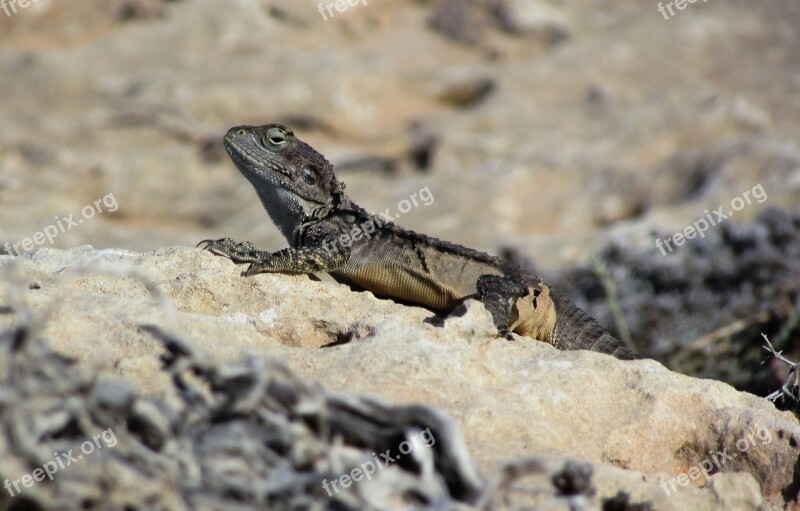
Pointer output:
x,y
249,436
637,423
551,126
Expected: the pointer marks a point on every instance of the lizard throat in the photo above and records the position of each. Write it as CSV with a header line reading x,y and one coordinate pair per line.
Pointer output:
x,y
284,209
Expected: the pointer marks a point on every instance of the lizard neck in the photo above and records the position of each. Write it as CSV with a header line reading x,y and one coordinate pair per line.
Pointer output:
x,y
291,215
284,209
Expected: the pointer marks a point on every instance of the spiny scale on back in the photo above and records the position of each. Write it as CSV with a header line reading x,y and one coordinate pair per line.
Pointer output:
x,y
328,232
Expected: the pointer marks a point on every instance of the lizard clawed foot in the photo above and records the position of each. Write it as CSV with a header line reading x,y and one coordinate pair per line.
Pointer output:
x,y
244,252
220,247
210,244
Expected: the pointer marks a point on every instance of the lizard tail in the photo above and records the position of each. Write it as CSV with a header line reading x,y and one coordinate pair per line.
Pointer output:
x,y
576,330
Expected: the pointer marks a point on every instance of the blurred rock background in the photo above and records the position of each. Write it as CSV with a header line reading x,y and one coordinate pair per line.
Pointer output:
x,y
550,130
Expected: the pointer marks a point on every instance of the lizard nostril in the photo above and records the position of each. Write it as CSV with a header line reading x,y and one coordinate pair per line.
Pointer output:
x,y
240,133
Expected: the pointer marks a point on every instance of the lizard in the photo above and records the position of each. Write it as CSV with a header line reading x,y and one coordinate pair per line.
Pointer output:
x,y
329,233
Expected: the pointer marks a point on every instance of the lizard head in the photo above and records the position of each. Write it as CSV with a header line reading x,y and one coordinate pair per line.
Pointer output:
x,y
287,173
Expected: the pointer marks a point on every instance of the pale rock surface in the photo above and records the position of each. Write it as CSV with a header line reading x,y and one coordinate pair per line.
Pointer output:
x,y
638,423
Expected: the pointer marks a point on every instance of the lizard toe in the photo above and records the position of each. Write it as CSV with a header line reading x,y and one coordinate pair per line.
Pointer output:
x,y
209,244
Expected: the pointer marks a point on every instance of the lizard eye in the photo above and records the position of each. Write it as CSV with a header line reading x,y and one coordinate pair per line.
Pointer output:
x,y
275,137
309,175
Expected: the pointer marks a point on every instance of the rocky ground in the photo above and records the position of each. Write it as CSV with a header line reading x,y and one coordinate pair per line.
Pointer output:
x,y
551,131
523,409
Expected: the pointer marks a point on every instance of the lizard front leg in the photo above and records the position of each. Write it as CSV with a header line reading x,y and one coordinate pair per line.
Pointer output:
x,y
288,260
300,260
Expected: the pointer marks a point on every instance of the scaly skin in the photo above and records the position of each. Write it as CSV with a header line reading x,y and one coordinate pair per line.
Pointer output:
x,y
328,232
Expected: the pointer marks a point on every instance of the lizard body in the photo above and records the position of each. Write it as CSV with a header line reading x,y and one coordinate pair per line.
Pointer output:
x,y
328,232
